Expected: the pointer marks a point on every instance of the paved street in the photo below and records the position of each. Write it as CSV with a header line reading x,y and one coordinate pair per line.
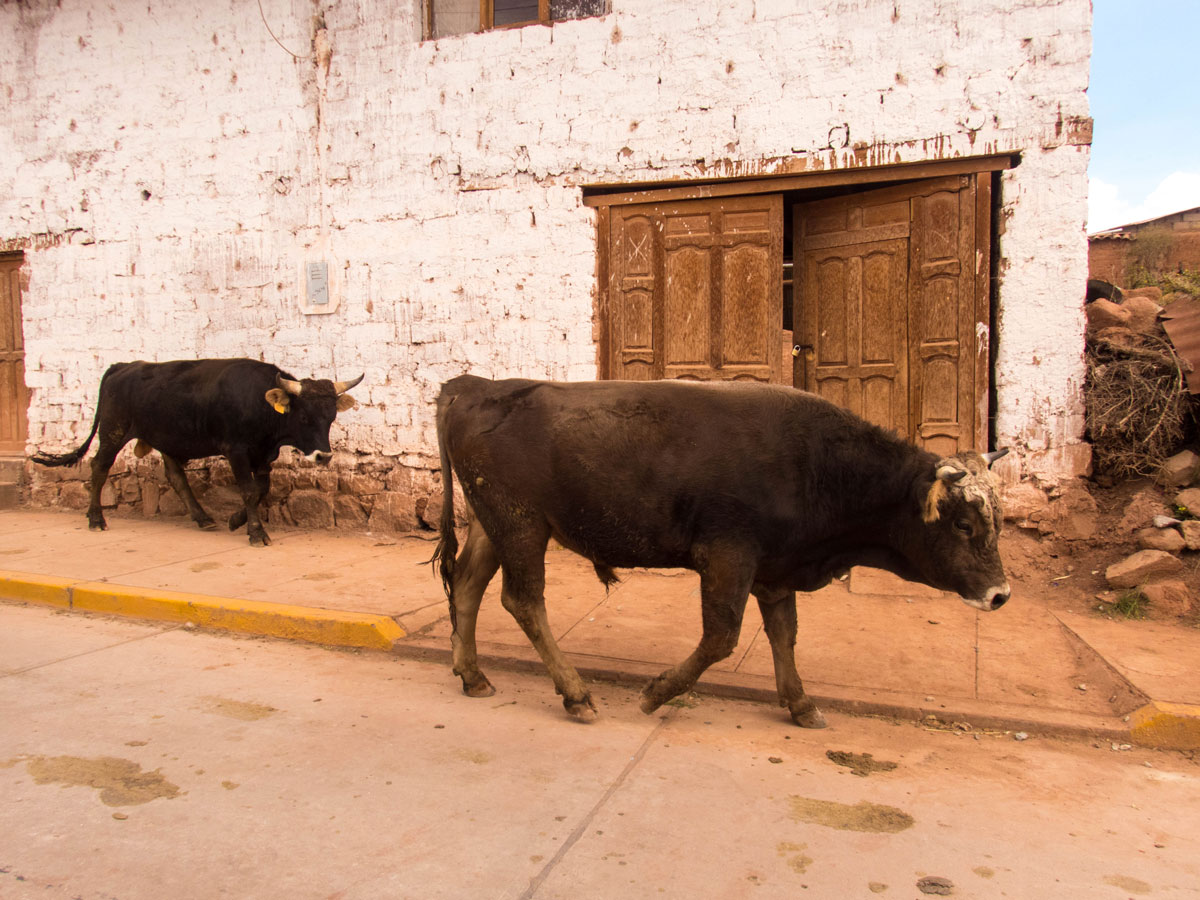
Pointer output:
x,y
143,760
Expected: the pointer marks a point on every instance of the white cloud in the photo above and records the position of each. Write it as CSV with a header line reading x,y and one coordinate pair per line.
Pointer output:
x,y
1105,208
1108,209
1179,190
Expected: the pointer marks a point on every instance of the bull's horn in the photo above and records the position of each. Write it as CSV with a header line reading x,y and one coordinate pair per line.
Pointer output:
x,y
949,473
292,387
994,455
341,387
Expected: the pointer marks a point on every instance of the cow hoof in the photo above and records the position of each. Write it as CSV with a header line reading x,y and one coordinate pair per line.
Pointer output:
x,y
480,688
583,710
649,704
810,718
206,524
654,695
260,540
98,526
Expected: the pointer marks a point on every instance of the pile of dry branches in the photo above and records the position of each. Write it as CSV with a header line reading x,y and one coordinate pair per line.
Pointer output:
x,y
1138,408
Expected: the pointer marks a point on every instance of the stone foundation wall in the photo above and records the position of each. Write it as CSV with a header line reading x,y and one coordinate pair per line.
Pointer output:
x,y
356,495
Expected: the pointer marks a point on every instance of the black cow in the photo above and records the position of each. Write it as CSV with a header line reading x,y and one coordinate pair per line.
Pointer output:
x,y
241,409
759,489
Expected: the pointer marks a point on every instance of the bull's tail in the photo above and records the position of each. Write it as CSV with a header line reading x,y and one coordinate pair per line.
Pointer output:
x,y
69,459
447,547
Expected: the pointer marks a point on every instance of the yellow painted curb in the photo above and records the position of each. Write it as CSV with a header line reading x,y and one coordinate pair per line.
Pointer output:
x,y
321,626
1168,726
46,589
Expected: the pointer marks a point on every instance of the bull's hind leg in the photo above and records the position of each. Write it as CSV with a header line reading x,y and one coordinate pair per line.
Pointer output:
x,y
473,569
177,478
111,442
778,607
523,595
725,578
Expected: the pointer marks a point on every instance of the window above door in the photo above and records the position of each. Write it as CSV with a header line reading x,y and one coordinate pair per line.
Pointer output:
x,y
449,17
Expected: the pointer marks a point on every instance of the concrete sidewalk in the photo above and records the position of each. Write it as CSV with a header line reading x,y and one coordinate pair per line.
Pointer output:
x,y
873,644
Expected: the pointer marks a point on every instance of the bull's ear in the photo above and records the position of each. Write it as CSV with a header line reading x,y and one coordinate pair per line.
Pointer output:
x,y
279,400
345,402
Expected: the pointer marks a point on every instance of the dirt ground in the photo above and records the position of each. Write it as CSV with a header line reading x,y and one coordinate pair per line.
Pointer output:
x,y
1069,574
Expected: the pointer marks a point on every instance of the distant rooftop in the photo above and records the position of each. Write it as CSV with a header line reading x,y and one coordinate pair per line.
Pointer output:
x,y
1184,220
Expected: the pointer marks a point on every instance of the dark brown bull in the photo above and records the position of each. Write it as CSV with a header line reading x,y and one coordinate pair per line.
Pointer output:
x,y
242,409
759,489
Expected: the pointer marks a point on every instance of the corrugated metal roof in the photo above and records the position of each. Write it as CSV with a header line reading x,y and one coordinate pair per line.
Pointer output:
x,y
1181,319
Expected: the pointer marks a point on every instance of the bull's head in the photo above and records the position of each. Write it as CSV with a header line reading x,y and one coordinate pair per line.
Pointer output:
x,y
309,408
962,520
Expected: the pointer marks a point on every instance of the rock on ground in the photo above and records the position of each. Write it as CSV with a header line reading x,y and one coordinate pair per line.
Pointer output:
x,y
1180,470
1143,567
1168,599
1167,539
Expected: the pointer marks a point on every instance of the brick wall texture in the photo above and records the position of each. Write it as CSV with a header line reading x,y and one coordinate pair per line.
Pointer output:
x,y
170,168
1175,247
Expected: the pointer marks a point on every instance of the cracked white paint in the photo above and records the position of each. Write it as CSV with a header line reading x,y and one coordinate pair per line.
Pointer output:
x,y
170,168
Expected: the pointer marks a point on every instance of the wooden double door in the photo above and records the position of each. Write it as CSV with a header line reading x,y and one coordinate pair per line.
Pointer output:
x,y
890,300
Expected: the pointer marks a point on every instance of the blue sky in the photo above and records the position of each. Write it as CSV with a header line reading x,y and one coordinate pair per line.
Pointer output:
x,y
1144,95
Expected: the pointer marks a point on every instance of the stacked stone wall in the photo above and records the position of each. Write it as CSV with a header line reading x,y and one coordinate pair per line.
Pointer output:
x,y
371,495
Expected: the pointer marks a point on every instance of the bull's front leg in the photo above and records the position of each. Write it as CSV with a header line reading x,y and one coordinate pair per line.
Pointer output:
x,y
778,607
252,493
262,477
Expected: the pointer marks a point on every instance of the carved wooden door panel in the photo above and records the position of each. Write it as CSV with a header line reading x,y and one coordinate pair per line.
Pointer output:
x,y
888,308
853,310
14,396
696,290
945,356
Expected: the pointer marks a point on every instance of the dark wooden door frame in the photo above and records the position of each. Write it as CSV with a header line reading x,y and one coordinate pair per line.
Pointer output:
x,y
14,395
608,194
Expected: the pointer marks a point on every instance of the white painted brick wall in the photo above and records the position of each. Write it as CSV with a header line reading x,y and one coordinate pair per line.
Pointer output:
x,y
441,180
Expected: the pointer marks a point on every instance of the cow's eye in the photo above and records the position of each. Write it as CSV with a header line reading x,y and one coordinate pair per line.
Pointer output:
x,y
964,526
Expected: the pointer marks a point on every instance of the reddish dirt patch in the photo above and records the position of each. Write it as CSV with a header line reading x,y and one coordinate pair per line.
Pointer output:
x,y
1069,574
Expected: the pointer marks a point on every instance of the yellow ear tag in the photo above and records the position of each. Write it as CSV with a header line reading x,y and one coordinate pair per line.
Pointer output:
x,y
280,408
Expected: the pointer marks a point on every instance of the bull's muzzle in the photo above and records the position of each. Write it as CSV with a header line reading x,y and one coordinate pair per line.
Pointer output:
x,y
993,598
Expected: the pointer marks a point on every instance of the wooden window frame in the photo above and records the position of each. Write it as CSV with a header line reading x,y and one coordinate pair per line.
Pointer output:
x,y
487,17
